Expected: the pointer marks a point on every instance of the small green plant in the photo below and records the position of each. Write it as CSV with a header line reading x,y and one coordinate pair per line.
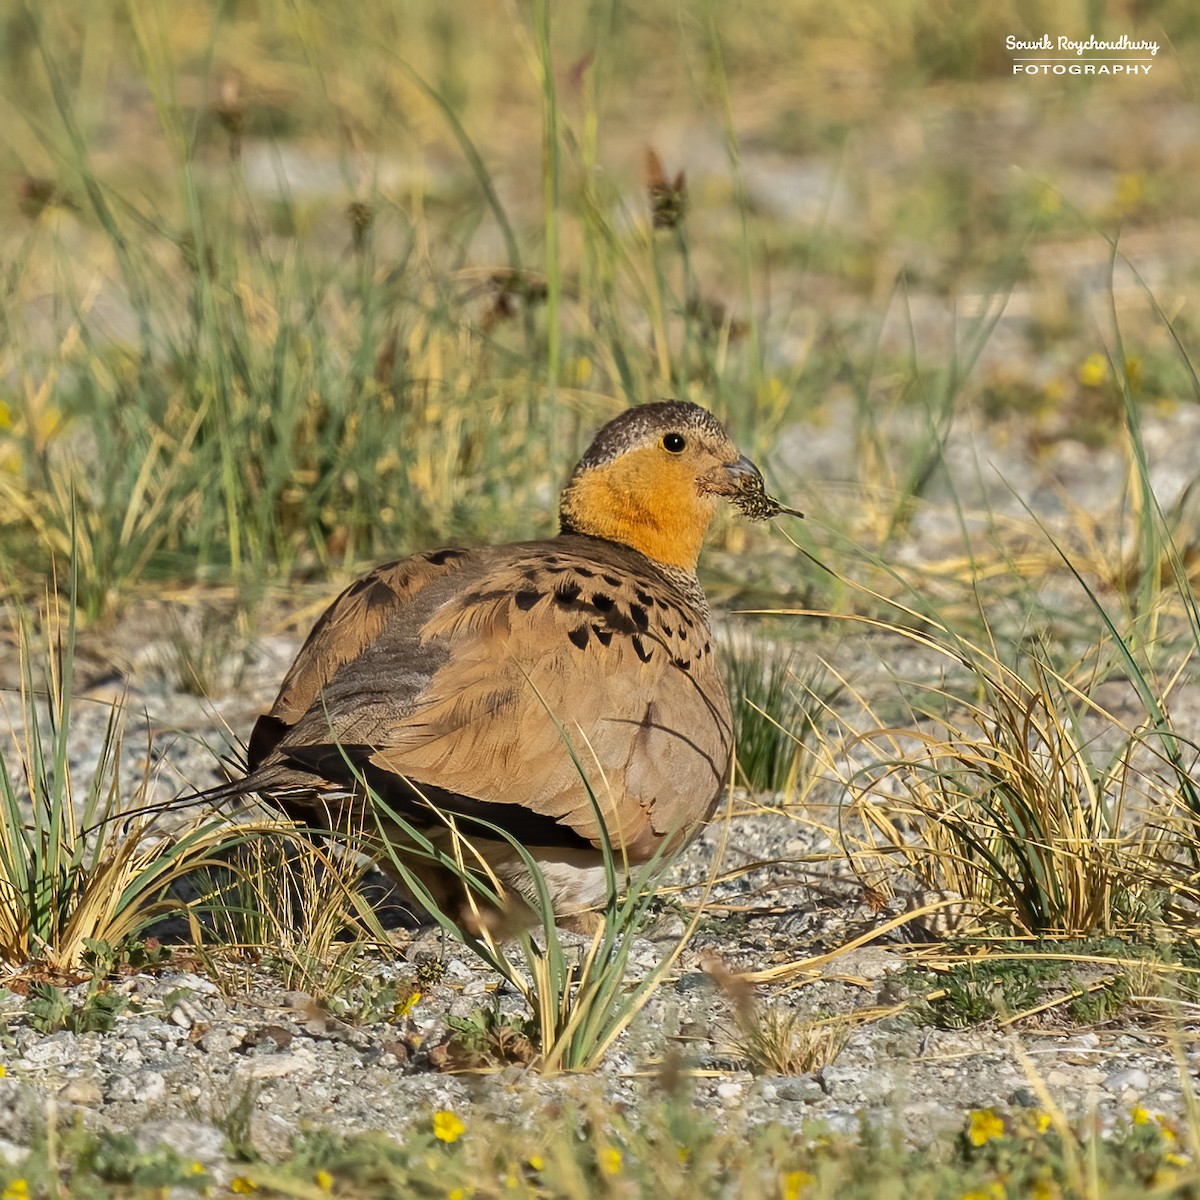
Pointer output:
x,y
774,698
50,1009
369,1000
430,971
487,1038
977,992
1044,978
103,958
1102,1003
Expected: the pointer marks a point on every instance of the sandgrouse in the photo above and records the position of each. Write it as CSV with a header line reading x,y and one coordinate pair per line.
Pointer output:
x,y
481,685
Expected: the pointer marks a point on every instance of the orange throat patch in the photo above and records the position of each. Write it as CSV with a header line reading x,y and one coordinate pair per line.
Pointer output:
x,y
641,502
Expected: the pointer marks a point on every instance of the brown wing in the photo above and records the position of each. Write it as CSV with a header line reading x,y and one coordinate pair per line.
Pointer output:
x,y
346,628
556,652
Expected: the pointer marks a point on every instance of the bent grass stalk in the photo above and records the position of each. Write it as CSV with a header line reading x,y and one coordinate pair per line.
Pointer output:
x,y
580,1006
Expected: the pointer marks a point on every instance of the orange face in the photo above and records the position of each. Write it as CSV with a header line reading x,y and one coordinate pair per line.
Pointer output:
x,y
659,496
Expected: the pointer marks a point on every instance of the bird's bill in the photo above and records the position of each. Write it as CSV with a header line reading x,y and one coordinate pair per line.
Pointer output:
x,y
741,483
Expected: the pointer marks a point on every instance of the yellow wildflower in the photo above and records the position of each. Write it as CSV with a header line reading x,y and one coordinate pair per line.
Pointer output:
x,y
403,1007
577,371
17,1190
995,1192
1093,371
1041,1121
1129,192
1138,1115
1176,1160
456,1194
1133,369
611,1160
324,1181
3,1070
794,1182
536,1162
1045,1189
985,1127
239,1185
196,1168
447,1127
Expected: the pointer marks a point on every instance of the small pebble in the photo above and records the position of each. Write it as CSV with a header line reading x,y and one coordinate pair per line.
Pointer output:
x,y
84,1092
141,1087
1132,1079
185,1014
196,984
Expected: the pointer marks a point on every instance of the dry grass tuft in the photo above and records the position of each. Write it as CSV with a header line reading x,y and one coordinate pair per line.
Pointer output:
x,y
778,1041
83,870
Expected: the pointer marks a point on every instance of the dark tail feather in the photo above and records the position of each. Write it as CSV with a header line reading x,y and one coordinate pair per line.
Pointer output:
x,y
242,788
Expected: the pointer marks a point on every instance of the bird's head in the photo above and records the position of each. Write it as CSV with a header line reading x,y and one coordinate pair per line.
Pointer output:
x,y
653,478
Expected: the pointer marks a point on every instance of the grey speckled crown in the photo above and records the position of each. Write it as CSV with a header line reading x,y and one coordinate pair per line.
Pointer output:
x,y
633,426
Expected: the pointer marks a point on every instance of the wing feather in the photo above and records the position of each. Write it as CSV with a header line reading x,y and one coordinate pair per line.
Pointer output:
x,y
345,630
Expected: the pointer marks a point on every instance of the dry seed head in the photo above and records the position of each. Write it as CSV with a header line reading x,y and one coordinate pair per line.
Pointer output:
x,y
230,111
668,197
37,194
361,217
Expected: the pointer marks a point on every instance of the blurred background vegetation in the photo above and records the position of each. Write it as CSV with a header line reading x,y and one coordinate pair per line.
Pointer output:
x,y
287,287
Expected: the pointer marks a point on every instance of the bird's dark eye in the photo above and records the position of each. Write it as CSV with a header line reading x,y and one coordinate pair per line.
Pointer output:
x,y
674,442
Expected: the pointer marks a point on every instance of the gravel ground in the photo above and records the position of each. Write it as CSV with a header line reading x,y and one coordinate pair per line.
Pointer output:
x,y
189,1047
186,1051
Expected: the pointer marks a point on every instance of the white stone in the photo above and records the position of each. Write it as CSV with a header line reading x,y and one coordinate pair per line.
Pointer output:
x,y
140,1086
1131,1079
11,1154
185,1014
194,983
